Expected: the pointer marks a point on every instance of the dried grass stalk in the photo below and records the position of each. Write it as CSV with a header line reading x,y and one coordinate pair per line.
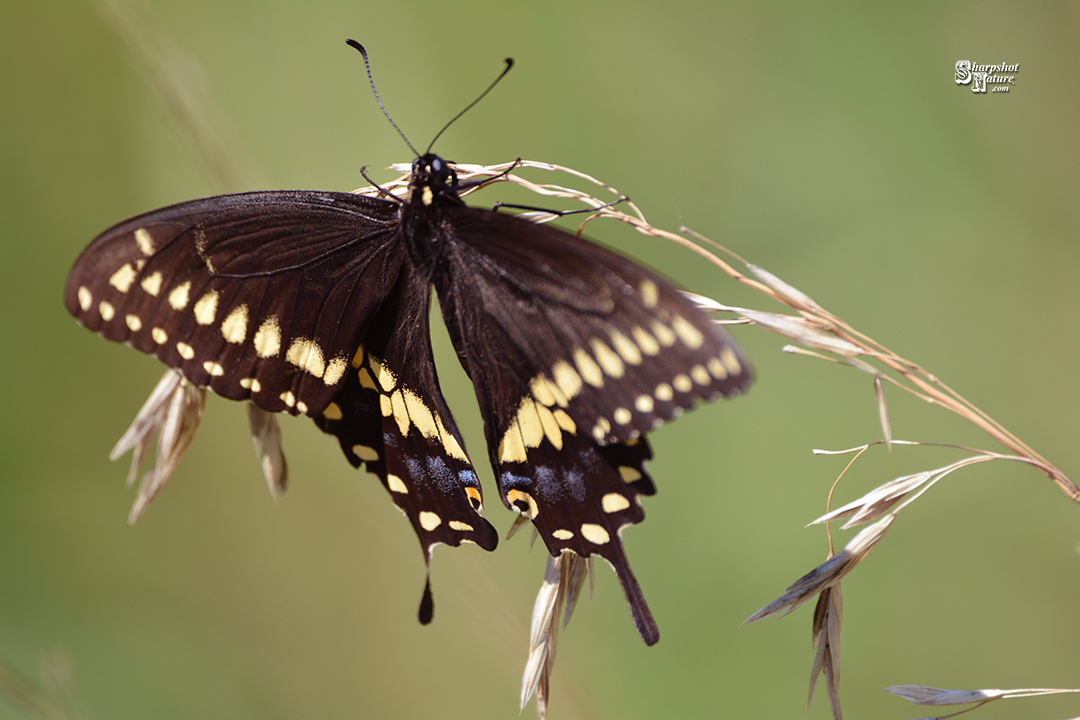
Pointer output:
x,y
171,414
826,575
924,695
825,636
266,436
564,577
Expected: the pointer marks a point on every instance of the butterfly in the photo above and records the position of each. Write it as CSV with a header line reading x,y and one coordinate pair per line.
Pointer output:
x,y
318,303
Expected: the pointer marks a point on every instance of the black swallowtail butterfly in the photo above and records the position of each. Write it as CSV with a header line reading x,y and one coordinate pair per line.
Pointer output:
x,y
317,303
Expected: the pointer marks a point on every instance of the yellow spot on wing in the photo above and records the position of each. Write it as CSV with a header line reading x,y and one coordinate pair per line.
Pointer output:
x,y
401,415
365,379
85,298
550,425
602,428
151,284
213,368
700,375
419,414
449,442
107,310
731,361
186,351
663,333
370,454
663,392
645,341
288,398
609,361
512,446
562,534
716,367
392,481
268,338
649,293
159,336
133,322
306,355
332,412
206,308
690,335
588,368
644,404
123,278
460,526
532,427
566,378
626,348
543,390
179,296
565,421
144,241
429,520
622,416
386,378
614,502
335,369
628,474
595,534
234,326
682,383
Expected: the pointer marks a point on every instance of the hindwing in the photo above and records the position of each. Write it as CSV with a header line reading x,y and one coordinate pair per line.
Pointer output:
x,y
390,415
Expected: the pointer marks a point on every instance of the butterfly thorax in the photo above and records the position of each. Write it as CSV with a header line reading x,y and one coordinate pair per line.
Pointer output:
x,y
424,227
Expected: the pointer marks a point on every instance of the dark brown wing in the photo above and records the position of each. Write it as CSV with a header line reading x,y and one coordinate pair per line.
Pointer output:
x,y
303,302
391,416
575,351
261,296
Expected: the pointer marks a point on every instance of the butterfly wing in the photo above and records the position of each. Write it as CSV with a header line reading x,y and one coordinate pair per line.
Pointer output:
x,y
261,296
391,415
302,302
575,351
624,344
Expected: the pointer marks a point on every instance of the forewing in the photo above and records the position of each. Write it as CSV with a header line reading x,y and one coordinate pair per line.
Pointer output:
x,y
260,296
616,345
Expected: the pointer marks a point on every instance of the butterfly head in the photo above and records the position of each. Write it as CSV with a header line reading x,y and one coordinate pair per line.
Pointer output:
x,y
431,177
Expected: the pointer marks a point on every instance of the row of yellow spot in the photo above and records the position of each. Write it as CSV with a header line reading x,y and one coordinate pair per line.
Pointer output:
x,y
717,367
596,534
303,353
405,406
533,421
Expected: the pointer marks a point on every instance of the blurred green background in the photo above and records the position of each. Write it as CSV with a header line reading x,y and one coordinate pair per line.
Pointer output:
x,y
829,145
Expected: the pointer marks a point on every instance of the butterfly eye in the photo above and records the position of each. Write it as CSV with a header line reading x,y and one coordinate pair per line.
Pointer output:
x,y
441,173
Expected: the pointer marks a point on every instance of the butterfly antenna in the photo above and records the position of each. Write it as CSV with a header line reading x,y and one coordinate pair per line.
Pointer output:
x,y
509,64
371,80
